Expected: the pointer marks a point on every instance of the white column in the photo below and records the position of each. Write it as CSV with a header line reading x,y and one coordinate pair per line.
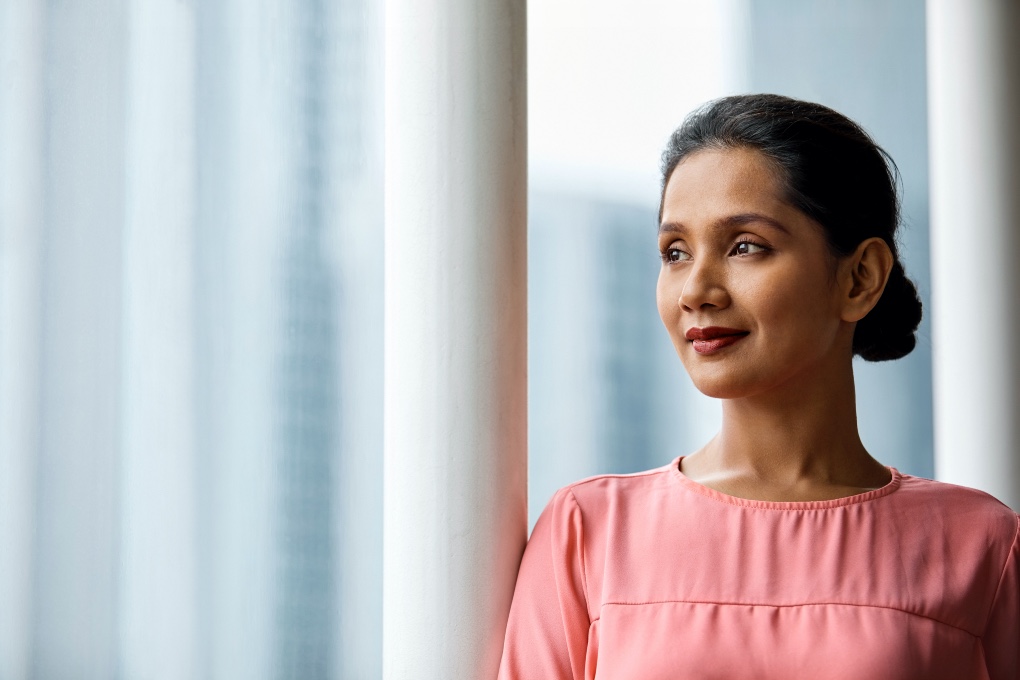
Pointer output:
x,y
157,591
974,106
455,426
247,127
76,526
356,247
22,118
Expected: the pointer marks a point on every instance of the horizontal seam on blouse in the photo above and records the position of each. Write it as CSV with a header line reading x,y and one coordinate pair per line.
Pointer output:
x,y
785,606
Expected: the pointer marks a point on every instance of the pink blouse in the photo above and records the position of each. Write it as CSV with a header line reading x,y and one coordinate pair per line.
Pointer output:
x,y
652,576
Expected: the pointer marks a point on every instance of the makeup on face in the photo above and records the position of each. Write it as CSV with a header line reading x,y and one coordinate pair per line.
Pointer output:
x,y
711,339
746,288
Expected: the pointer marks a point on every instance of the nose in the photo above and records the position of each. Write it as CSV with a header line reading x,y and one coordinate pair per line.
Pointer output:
x,y
704,288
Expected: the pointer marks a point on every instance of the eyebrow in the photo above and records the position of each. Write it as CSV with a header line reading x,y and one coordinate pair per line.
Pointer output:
x,y
738,220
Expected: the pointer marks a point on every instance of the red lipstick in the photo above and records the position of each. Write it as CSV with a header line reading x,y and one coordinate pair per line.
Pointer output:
x,y
713,338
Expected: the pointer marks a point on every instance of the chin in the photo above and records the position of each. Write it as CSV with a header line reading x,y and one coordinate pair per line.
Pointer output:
x,y
722,389
739,382
726,384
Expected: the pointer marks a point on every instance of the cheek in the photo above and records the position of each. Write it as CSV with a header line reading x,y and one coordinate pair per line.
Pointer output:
x,y
776,305
666,299
796,311
666,296
660,299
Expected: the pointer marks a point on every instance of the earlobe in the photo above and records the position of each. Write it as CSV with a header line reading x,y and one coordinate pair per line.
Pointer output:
x,y
869,268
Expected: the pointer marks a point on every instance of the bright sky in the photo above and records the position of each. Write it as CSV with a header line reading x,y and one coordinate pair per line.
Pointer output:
x,y
609,81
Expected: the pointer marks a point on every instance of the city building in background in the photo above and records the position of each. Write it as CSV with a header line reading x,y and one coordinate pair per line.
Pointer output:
x,y
190,382
606,390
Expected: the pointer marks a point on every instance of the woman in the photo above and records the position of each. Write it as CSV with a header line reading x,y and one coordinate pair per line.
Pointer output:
x,y
780,549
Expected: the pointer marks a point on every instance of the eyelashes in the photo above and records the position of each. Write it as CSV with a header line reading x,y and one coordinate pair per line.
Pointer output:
x,y
744,247
747,245
667,256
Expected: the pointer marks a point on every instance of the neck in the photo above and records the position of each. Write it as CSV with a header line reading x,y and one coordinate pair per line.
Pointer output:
x,y
798,440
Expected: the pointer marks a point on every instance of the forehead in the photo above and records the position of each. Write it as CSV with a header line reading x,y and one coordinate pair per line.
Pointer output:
x,y
713,184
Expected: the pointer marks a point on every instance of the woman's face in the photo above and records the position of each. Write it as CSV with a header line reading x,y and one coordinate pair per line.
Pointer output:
x,y
748,288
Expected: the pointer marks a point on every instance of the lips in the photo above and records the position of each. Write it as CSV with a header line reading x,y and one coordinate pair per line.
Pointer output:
x,y
714,338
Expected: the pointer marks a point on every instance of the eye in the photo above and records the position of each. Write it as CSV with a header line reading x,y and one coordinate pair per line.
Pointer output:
x,y
674,255
748,248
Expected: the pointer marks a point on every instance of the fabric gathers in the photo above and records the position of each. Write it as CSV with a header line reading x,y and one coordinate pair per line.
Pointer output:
x,y
652,575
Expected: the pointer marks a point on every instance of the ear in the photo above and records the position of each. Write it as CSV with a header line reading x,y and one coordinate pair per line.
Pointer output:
x,y
864,274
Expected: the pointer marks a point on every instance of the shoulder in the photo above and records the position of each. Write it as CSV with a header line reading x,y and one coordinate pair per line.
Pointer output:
x,y
957,510
608,492
602,524
600,512
943,497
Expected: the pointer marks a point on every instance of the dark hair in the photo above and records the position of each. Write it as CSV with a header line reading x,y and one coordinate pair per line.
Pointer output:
x,y
835,174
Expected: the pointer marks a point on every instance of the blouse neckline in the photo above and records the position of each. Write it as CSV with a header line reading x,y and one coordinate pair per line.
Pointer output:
x,y
845,501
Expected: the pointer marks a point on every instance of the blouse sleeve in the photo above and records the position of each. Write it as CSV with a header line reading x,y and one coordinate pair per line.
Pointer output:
x,y
547,634
1001,639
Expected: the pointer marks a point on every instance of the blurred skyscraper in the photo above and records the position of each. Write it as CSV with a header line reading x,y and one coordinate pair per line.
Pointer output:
x,y
190,352
305,626
294,191
606,391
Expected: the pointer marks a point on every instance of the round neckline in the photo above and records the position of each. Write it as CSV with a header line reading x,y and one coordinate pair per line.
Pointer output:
x,y
845,501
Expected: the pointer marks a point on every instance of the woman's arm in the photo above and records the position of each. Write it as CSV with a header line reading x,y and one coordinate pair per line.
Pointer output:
x,y
547,635
1001,639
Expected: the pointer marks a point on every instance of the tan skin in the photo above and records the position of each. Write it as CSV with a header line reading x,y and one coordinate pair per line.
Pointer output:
x,y
736,254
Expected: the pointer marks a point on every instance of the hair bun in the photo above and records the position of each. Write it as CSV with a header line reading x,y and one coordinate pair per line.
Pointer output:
x,y
889,330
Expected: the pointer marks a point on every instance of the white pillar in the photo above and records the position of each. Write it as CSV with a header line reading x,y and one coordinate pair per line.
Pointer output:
x,y
455,426
76,526
974,106
246,125
157,600
357,249
22,135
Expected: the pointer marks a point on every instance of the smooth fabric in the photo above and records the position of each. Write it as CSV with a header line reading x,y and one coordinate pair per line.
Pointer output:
x,y
652,576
